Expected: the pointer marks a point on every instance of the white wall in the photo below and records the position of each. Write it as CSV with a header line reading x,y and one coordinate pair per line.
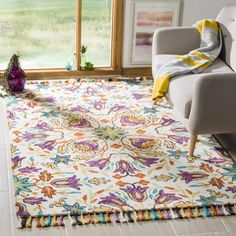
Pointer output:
x,y
194,10
190,12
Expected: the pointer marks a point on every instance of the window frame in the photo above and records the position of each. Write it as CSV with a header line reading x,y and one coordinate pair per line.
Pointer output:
x,y
116,49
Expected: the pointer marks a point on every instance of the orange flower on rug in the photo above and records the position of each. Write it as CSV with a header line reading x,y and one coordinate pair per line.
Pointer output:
x,y
100,151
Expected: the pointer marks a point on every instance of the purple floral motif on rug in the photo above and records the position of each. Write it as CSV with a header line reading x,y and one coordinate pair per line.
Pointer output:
x,y
100,151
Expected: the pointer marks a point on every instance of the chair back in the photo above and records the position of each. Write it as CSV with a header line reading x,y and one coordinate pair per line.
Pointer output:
x,y
227,21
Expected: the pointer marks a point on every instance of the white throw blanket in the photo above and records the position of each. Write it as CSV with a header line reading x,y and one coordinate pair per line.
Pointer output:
x,y
196,61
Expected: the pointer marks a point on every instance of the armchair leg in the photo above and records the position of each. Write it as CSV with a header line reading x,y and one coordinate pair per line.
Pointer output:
x,y
192,144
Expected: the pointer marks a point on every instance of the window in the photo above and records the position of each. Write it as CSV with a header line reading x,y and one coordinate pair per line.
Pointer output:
x,y
45,33
96,30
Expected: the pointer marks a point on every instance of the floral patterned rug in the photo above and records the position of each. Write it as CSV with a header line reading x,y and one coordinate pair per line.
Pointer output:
x,y
100,151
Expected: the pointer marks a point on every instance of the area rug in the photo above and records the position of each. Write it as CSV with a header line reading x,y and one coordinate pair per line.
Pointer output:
x,y
101,152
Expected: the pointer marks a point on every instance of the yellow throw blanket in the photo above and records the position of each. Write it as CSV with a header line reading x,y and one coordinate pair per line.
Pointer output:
x,y
196,61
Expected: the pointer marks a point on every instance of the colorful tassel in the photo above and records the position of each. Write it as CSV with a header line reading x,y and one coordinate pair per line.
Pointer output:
x,y
154,215
96,218
160,215
78,222
82,219
72,220
135,216
129,215
23,222
206,212
48,221
123,219
182,213
54,221
213,211
29,222
90,219
217,209
148,215
108,217
177,212
197,212
102,218
117,218
224,210
173,215
167,215
140,216
37,222
61,221
190,213
229,209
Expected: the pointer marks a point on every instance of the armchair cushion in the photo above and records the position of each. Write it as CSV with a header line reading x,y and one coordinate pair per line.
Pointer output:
x,y
181,88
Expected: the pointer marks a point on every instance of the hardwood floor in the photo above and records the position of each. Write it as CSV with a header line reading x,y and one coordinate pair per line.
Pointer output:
x,y
218,226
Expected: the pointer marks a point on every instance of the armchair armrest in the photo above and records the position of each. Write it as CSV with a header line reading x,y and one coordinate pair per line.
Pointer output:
x,y
214,104
175,40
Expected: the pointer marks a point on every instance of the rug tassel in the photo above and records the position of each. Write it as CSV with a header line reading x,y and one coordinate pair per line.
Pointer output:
x,y
154,215
102,218
23,222
206,211
29,222
82,219
225,211
72,220
54,221
214,211
96,218
145,215
177,213
129,216
78,221
123,219
182,213
90,219
61,221
41,222
140,216
219,211
18,223
117,218
160,214
229,209
167,214
197,212
135,216
190,213
37,222
108,217
148,215
172,213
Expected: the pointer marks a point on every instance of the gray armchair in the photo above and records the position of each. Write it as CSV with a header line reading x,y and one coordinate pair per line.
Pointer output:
x,y
206,101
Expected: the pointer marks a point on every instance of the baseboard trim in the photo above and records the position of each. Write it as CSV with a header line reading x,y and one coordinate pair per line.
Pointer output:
x,y
138,71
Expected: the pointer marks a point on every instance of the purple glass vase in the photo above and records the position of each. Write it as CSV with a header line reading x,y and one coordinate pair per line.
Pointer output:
x,y
15,76
16,85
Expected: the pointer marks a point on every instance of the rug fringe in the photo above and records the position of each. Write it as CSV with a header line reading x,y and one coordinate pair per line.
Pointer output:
x,y
128,216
